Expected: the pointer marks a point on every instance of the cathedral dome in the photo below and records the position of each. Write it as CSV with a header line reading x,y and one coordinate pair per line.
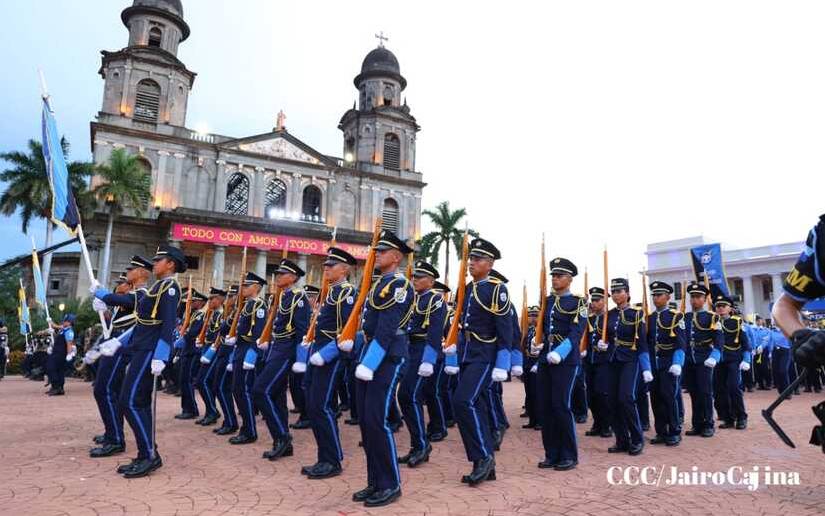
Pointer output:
x,y
173,6
380,62
169,9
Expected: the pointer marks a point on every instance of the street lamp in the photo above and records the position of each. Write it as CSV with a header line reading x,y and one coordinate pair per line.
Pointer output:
x,y
61,306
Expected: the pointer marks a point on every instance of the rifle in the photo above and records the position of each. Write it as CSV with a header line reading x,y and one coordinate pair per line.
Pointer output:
x,y
313,322
351,326
274,306
606,291
410,259
187,313
460,292
583,341
645,307
525,315
233,330
539,339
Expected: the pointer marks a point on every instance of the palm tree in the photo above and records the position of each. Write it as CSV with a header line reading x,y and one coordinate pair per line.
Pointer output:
x,y
124,185
27,188
447,232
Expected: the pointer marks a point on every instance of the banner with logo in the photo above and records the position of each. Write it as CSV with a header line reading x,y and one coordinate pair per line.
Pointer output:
x,y
707,261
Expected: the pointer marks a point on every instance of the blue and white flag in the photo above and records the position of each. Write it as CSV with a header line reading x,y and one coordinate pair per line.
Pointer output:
x,y
64,210
39,287
23,311
707,261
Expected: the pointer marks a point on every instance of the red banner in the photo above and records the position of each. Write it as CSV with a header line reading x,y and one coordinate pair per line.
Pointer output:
x,y
268,241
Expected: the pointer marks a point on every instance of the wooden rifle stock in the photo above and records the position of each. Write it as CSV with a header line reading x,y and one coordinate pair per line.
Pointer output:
x,y
460,293
239,300
351,326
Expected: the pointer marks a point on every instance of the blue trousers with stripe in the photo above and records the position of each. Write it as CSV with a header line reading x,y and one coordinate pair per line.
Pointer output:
x,y
699,380
108,383
269,393
242,382
436,404
411,400
374,399
136,400
470,409
323,382
204,382
223,390
188,368
664,391
558,430
622,380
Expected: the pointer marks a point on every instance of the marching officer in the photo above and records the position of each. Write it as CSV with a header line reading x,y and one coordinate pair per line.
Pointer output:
x,y
296,380
434,385
150,347
289,328
189,358
666,334
4,347
245,356
63,351
529,377
598,366
495,403
704,334
426,330
390,302
736,360
565,317
205,377
483,356
221,353
326,372
627,331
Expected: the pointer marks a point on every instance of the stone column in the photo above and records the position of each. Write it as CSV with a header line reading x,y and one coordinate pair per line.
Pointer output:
x,y
363,221
258,193
416,216
260,263
776,281
217,265
297,198
219,201
160,178
749,303
176,192
301,260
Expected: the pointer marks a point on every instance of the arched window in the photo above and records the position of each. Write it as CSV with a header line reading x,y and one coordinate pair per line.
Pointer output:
x,y
275,199
390,215
147,101
392,152
237,194
155,37
311,205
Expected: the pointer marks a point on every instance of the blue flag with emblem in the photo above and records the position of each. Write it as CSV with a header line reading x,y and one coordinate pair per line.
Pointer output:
x,y
63,210
23,311
707,261
39,287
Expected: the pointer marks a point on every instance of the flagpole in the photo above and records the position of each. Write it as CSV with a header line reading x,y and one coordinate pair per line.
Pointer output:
x,y
88,261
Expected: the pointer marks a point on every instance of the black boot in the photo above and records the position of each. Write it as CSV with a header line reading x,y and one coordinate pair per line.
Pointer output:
x,y
280,448
741,424
242,439
324,470
209,420
186,415
383,497
123,468
143,467
99,439
301,424
226,430
419,457
482,470
362,495
106,450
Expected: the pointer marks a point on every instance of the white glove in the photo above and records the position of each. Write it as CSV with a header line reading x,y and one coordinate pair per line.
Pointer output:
x,y
93,287
516,371
305,344
49,350
248,367
450,350
299,367
602,345
675,370
110,347
647,376
583,353
744,366
450,370
204,360
363,373
535,349
99,306
230,341
759,349
158,366
70,356
425,369
316,359
345,345
553,358
176,359
87,359
262,345
229,367
534,369
710,362
499,375
92,355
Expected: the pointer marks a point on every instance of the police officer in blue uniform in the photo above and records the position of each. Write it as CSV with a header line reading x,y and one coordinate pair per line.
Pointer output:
x,y
390,305
483,356
736,360
296,380
530,368
435,384
666,334
4,348
205,377
598,367
63,351
245,356
325,373
112,362
627,332
565,316
221,353
150,346
426,331
190,358
289,328
704,334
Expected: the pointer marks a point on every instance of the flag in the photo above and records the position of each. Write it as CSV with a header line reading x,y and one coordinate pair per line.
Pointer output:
x,y
23,312
39,288
64,210
707,261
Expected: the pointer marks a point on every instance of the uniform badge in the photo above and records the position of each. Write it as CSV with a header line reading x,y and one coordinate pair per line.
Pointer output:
x,y
300,304
682,324
171,291
438,304
503,297
260,313
583,311
350,300
718,326
400,295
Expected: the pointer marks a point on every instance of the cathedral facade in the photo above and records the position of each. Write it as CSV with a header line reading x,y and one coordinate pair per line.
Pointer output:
x,y
213,195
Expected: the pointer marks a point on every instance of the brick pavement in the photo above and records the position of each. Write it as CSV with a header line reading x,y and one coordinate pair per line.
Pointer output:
x,y
45,469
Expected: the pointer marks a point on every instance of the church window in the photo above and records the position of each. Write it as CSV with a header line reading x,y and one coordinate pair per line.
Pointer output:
x,y
311,205
275,199
155,36
392,152
237,194
147,101
388,94
389,215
